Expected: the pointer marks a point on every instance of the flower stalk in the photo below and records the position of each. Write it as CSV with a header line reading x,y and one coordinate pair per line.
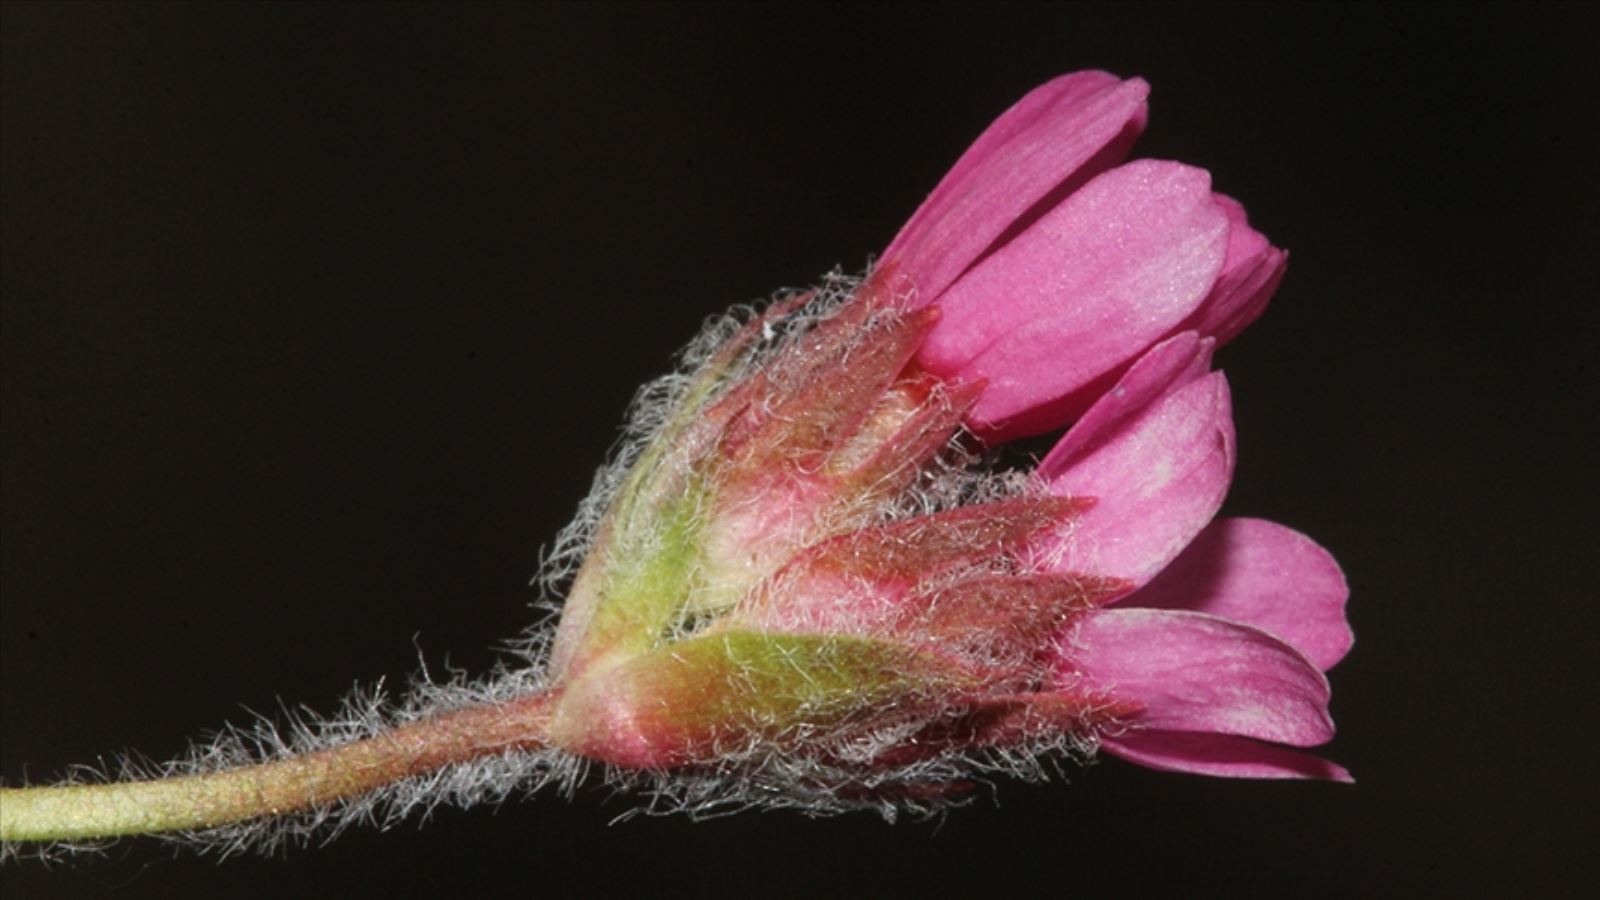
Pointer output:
x,y
87,812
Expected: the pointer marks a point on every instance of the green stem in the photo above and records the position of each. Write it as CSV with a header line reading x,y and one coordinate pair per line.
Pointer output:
x,y
88,811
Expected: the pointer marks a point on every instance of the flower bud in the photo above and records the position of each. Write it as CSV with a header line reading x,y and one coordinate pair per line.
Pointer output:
x,y
798,568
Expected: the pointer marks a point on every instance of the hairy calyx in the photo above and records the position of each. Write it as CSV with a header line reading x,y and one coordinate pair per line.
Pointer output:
x,y
795,575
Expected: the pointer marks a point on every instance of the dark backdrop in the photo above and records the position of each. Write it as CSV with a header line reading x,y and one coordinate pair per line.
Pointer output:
x,y
317,320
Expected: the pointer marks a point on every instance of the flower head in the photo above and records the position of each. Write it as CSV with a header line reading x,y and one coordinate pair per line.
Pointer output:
x,y
802,583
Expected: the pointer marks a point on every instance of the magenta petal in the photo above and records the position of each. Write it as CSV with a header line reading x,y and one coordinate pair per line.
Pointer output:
x,y
1262,574
1076,124
1250,275
1221,755
1158,469
1172,363
1194,672
1084,290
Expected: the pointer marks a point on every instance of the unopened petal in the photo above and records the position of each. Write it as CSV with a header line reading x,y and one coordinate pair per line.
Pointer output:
x,y
1158,470
1086,289
1168,365
1262,574
1056,137
1220,755
1195,672
1250,275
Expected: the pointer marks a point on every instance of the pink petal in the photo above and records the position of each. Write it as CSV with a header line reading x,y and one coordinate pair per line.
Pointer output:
x,y
1194,672
1076,125
1262,574
1221,755
1087,288
1158,469
1170,364
1250,275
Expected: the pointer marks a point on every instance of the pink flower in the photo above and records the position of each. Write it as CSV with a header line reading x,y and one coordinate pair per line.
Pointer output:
x,y
783,583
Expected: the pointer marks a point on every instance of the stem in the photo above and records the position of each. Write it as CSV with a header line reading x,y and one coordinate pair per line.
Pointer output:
x,y
79,812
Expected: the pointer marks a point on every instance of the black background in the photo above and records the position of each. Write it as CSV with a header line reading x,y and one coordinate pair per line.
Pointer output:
x,y
317,320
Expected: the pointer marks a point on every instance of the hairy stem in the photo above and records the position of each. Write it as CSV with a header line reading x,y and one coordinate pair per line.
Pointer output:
x,y
319,778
